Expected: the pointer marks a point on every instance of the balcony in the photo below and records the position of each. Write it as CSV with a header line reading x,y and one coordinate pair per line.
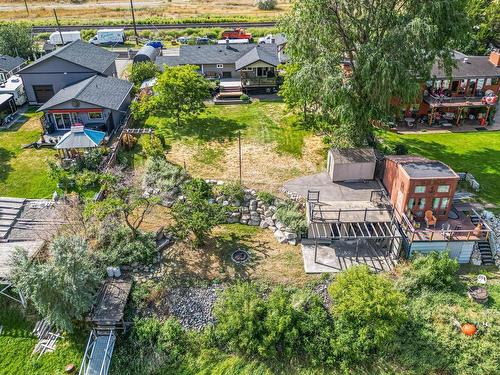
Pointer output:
x,y
456,101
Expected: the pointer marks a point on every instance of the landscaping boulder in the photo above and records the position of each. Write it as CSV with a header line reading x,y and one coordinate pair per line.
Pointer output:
x,y
280,236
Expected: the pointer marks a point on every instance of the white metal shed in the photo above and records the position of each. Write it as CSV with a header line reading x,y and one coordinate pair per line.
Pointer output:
x,y
351,164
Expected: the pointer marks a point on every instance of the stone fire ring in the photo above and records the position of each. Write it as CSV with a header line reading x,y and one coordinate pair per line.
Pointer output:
x,y
240,256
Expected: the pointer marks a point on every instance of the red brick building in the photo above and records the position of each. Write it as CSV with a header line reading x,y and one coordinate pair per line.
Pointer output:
x,y
418,184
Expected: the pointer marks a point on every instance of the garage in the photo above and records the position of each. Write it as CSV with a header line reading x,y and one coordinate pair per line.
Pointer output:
x,y
43,93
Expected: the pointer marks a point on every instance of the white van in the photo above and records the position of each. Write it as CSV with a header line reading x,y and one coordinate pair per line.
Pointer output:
x,y
68,37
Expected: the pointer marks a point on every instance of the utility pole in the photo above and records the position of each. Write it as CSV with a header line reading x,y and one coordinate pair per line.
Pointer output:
x,y
239,151
133,21
26,5
58,26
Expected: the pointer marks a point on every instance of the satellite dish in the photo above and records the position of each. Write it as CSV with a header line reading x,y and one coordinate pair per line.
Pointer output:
x,y
481,279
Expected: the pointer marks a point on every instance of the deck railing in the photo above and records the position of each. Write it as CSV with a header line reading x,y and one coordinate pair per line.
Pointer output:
x,y
259,81
446,234
319,213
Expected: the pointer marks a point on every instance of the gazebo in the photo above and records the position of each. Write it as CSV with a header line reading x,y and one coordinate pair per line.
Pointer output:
x,y
77,139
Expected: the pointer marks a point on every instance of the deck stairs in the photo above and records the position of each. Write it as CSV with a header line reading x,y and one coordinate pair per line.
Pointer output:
x,y
484,246
229,95
97,357
10,209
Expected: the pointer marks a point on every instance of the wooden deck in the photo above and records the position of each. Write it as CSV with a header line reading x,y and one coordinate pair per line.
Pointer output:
x,y
111,302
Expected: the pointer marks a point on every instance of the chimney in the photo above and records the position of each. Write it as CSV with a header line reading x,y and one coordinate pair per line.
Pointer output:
x,y
227,42
495,57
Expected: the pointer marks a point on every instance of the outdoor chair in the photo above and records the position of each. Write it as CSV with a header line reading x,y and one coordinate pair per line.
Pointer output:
x,y
430,219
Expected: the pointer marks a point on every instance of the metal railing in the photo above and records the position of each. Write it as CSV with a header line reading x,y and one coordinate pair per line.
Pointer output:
x,y
259,81
335,214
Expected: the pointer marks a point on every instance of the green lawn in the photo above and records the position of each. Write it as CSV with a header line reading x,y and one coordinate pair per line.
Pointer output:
x,y
17,344
23,172
477,153
261,122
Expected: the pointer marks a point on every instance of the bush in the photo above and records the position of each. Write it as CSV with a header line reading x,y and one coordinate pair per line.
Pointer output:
x,y
117,247
91,160
143,71
173,341
196,215
266,4
434,271
232,191
147,330
245,98
266,197
163,177
393,148
153,147
368,312
289,213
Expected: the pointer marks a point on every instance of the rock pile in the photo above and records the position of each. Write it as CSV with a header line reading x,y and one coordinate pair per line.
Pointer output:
x,y
255,212
192,306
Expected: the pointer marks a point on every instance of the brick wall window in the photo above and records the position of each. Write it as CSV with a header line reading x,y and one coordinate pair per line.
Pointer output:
x,y
420,189
443,188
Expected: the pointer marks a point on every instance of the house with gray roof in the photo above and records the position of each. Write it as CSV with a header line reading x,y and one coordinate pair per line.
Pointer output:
x,y
9,66
254,64
66,66
98,103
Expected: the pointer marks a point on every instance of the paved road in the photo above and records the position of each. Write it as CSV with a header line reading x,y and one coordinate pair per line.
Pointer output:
x,y
43,29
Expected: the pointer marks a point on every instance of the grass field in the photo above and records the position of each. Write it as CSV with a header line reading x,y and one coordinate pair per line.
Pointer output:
x,y
477,153
17,344
24,172
146,11
274,147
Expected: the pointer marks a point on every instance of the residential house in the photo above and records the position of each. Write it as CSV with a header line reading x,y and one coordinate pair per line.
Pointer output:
x,y
421,192
255,65
66,66
467,94
10,66
97,102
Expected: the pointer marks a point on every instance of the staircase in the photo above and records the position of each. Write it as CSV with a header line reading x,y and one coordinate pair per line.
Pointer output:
x,y
229,95
97,357
486,255
484,246
10,209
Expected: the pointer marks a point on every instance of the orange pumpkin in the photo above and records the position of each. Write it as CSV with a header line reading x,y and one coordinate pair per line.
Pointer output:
x,y
469,329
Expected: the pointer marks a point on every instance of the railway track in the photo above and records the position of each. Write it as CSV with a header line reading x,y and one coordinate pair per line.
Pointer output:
x,y
44,29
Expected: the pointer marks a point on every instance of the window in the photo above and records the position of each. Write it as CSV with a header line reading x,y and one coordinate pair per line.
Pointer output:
x,y
494,81
411,203
95,115
421,203
444,203
220,66
435,203
420,189
443,188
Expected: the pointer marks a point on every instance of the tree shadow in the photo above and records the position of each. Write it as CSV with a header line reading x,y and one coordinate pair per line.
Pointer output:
x,y
212,262
207,129
5,167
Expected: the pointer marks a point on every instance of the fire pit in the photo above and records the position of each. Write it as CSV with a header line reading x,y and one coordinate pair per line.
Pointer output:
x,y
478,294
240,256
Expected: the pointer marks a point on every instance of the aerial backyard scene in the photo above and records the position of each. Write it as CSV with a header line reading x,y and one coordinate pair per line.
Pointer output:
x,y
249,187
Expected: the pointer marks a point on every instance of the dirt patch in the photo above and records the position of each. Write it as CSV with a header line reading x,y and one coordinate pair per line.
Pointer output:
x,y
262,167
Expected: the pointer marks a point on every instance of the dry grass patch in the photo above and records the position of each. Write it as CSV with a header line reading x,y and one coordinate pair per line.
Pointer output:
x,y
270,261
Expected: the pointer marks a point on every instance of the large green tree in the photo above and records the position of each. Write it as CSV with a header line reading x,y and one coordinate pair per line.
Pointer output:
x,y
143,71
180,91
62,288
360,54
16,40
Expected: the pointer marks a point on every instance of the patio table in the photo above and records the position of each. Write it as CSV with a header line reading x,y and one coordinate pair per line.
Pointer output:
x,y
409,121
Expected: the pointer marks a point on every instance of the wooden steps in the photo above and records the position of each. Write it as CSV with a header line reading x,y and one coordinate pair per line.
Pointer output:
x,y
10,209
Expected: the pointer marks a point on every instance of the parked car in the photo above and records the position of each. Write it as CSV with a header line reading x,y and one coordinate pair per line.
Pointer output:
x,y
202,40
237,33
183,39
67,36
108,36
155,44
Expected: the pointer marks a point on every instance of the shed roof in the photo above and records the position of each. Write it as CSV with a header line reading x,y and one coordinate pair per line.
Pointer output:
x,y
7,63
5,98
104,92
467,67
221,54
353,155
148,51
79,137
81,53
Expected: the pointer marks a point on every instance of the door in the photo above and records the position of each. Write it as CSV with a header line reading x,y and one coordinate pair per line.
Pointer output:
x,y
43,92
65,120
